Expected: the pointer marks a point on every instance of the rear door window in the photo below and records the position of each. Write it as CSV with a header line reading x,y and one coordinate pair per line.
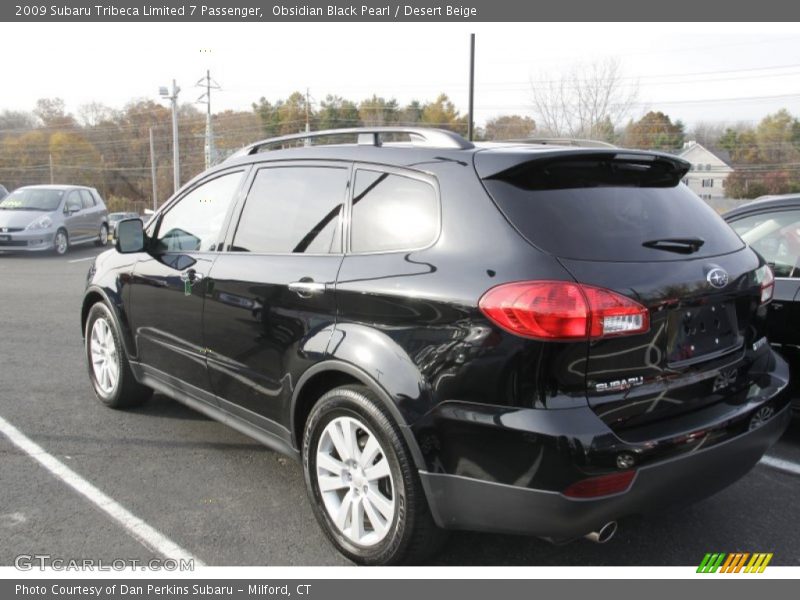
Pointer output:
x,y
392,212
293,209
607,211
86,199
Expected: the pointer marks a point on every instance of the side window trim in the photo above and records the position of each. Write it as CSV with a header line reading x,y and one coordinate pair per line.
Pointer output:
x,y
425,177
247,185
155,223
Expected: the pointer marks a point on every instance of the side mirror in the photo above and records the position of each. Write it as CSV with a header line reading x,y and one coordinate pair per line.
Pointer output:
x,y
130,236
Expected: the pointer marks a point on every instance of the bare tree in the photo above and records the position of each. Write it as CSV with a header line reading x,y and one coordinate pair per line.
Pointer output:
x,y
92,114
588,101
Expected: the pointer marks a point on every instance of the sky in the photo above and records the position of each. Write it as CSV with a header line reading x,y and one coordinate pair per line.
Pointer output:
x,y
720,73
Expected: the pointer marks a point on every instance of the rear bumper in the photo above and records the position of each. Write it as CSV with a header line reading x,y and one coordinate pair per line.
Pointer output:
x,y
465,503
503,469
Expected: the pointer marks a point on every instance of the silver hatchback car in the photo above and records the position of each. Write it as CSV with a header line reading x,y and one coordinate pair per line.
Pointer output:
x,y
52,217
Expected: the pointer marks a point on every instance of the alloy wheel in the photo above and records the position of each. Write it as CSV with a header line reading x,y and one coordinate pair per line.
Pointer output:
x,y
105,363
355,481
61,242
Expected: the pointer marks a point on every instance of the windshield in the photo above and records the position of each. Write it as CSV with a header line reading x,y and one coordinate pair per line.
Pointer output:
x,y
33,199
116,216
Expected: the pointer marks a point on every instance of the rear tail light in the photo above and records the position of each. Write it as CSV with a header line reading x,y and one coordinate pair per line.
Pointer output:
x,y
561,310
605,485
766,278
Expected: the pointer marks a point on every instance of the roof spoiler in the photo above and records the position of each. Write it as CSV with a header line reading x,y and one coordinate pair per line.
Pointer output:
x,y
556,141
586,167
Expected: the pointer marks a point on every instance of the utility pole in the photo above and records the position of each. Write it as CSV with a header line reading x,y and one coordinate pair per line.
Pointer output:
x,y
471,122
51,168
307,141
308,115
176,159
209,84
153,171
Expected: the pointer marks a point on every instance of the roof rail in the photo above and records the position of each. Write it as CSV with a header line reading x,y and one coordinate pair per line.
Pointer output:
x,y
563,142
367,136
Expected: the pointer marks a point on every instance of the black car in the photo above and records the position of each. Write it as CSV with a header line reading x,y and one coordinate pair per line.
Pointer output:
x,y
514,338
771,226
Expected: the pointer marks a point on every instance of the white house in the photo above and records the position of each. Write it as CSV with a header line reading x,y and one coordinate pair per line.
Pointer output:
x,y
709,170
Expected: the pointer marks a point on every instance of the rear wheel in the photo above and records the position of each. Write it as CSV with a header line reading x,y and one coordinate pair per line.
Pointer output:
x,y
109,370
61,242
363,484
102,239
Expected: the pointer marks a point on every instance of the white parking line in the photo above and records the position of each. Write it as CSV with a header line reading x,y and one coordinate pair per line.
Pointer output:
x,y
780,464
82,259
141,531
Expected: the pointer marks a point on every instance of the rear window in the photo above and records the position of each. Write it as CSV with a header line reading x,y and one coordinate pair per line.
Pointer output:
x,y
604,211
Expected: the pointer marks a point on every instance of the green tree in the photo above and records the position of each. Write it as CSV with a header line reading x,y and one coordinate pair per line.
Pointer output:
x,y
285,116
775,136
509,127
411,113
377,111
335,112
605,131
654,131
268,116
442,113
729,140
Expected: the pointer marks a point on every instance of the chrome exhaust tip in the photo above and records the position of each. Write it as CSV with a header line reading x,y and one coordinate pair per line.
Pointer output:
x,y
604,534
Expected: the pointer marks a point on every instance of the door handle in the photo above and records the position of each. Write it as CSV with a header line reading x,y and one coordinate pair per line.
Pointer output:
x,y
191,276
307,288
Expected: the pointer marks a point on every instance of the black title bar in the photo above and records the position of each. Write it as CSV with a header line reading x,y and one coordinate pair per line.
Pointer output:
x,y
408,11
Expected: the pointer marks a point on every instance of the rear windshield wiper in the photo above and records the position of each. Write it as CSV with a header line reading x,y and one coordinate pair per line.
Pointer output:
x,y
681,245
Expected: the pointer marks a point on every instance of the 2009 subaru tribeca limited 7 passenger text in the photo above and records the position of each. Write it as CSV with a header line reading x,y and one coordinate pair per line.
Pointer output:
x,y
513,337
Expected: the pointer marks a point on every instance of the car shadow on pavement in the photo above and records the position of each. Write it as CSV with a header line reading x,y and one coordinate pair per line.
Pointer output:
x,y
164,406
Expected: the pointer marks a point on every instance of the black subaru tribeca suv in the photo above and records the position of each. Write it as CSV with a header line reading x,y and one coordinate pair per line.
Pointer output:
x,y
516,338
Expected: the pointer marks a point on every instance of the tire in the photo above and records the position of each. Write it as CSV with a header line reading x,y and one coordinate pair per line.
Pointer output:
x,y
404,534
102,239
61,242
114,385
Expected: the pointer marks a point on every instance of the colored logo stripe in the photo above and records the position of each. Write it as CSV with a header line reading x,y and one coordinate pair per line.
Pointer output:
x,y
758,563
735,562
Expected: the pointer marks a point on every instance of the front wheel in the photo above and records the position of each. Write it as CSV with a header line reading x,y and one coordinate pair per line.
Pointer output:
x,y
102,239
363,485
109,370
60,242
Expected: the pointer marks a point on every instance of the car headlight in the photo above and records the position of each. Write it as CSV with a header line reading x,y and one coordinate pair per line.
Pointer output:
x,y
42,222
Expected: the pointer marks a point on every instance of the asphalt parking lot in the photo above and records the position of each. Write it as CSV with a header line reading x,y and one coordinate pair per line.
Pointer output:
x,y
229,501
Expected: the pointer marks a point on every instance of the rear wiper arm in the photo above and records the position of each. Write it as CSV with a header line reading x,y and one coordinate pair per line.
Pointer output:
x,y
681,245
